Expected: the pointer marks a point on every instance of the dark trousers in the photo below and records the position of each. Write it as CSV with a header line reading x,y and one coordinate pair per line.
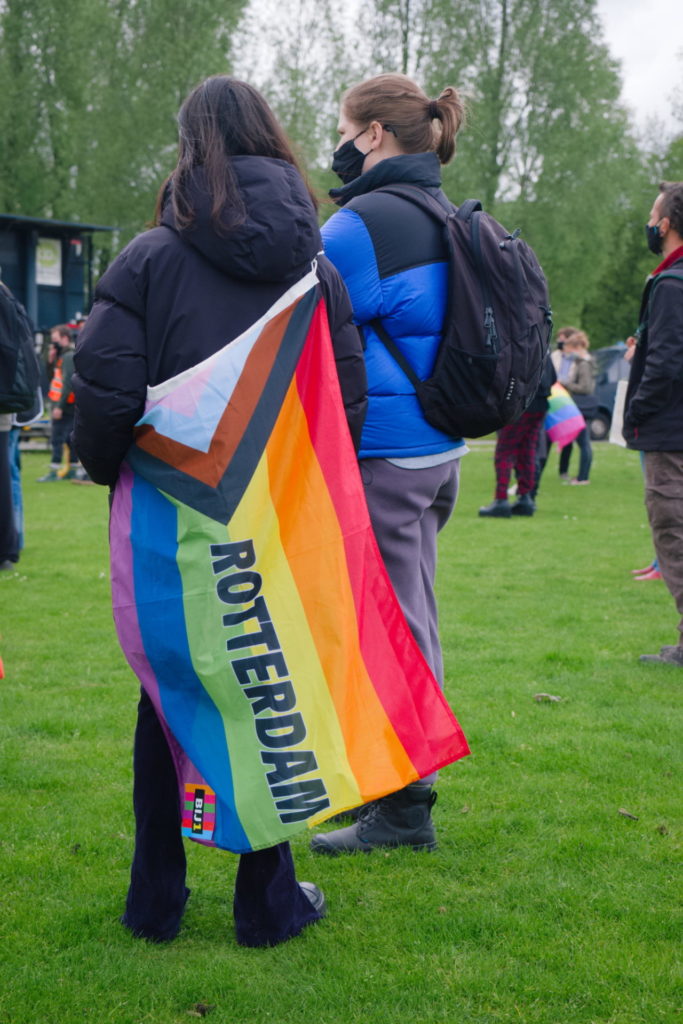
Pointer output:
x,y
60,435
9,538
516,449
585,452
268,904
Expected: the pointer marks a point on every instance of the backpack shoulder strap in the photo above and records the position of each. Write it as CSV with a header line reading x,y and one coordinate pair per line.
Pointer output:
x,y
438,208
466,209
666,273
391,346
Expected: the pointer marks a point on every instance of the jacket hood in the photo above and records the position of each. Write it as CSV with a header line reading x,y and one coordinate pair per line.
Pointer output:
x,y
279,235
421,169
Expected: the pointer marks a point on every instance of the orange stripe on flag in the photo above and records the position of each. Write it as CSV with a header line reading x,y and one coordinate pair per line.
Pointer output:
x,y
312,539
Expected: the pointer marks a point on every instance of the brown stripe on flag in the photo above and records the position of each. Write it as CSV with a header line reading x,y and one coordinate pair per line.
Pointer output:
x,y
210,466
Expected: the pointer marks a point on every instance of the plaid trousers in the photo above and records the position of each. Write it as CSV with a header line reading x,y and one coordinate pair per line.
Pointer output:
x,y
516,449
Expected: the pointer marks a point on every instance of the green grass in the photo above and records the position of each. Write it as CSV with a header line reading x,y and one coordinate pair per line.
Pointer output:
x,y
543,903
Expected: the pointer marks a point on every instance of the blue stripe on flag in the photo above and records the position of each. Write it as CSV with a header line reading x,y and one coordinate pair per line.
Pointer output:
x,y
190,712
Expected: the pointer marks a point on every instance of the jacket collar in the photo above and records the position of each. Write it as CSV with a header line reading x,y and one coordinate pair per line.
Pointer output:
x,y
672,258
421,169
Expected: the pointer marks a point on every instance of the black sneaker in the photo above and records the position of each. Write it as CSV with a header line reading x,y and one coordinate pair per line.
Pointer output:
x,y
498,509
524,506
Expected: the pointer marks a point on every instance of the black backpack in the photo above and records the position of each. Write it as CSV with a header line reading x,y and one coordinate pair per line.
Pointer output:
x,y
19,368
497,325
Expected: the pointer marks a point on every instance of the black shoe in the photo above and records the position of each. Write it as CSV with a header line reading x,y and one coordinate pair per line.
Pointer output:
x,y
152,932
668,656
499,509
524,506
400,819
315,897
353,814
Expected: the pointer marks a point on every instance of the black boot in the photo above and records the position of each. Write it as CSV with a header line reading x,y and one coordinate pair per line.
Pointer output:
x,y
499,508
353,814
524,506
400,819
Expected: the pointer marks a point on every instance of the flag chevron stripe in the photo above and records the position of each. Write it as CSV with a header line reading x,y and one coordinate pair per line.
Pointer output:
x,y
238,409
177,415
220,500
166,389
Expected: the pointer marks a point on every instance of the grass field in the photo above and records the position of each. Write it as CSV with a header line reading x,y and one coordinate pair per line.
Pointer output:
x,y
544,904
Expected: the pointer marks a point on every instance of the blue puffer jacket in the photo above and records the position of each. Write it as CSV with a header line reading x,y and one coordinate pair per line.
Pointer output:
x,y
394,262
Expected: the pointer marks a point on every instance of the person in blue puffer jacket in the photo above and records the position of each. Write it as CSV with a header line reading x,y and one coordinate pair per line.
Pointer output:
x,y
394,261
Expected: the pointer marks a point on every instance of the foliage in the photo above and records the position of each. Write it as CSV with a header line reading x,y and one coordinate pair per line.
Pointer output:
x,y
91,89
543,903
90,92
548,146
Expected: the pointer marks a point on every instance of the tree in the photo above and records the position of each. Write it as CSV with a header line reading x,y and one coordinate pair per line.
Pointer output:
x,y
90,92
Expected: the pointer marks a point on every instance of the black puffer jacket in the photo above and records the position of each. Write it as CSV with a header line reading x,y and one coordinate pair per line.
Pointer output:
x,y
653,417
172,299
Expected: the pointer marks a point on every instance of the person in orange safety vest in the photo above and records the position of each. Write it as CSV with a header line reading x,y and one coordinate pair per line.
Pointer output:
x,y
62,401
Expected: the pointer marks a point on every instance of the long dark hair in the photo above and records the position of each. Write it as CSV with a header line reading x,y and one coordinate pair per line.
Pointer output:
x,y
222,117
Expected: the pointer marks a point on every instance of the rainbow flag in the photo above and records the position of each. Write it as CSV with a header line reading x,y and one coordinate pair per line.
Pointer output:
x,y
251,600
563,420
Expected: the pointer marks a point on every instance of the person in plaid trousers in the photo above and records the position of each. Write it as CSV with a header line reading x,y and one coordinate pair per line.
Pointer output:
x,y
516,449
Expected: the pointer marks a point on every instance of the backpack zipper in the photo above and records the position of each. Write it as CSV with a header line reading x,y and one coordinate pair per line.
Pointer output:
x,y
489,316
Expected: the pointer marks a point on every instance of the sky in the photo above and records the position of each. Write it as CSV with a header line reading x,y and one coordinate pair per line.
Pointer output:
x,y
647,37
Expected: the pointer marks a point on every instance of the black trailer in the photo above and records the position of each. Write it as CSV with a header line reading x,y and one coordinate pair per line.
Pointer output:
x,y
48,264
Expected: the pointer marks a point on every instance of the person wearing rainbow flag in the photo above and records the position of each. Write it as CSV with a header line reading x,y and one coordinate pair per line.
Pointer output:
x,y
235,230
394,261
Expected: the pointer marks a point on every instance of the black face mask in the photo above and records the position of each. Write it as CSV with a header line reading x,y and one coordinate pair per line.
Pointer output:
x,y
655,242
347,161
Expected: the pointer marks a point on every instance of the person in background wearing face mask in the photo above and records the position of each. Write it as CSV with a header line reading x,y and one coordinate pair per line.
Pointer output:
x,y
653,416
393,259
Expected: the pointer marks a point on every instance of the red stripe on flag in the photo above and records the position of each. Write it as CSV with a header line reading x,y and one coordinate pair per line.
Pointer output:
x,y
385,637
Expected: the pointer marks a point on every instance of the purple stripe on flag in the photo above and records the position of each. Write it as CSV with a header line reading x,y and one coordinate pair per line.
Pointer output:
x,y
123,582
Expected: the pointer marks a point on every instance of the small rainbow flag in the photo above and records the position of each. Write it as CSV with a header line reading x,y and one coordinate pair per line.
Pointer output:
x,y
251,600
563,420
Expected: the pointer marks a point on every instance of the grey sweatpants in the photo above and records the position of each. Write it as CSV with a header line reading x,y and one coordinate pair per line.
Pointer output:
x,y
664,501
407,508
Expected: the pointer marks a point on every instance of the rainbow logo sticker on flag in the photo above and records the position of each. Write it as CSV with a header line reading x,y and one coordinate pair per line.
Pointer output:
x,y
199,812
251,600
